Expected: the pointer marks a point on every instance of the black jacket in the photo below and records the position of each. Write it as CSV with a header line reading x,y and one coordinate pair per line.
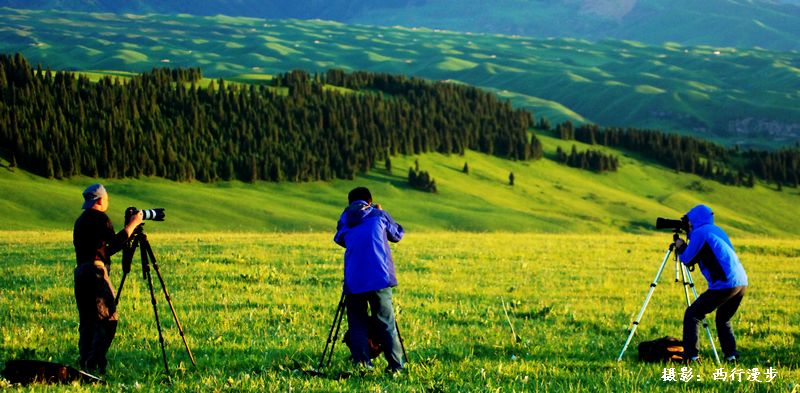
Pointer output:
x,y
94,238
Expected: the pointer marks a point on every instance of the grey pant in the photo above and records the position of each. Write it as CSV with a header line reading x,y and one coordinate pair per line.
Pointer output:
x,y
97,309
380,303
726,302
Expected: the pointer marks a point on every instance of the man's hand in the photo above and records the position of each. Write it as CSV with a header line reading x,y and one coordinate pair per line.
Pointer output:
x,y
136,219
679,245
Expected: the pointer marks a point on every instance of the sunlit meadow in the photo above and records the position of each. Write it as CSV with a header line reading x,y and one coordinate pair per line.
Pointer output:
x,y
256,308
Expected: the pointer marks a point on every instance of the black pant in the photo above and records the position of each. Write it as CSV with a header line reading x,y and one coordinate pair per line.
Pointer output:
x,y
94,296
726,302
380,303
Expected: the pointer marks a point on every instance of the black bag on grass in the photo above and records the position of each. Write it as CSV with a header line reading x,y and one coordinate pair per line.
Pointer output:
x,y
664,349
35,371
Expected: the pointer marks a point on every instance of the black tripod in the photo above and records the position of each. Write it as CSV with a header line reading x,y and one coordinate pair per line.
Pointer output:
x,y
139,239
681,271
333,335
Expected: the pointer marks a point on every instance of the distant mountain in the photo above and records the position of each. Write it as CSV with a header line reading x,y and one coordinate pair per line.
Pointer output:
x,y
771,24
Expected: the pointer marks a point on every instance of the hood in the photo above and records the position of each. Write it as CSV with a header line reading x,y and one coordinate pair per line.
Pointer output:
x,y
356,212
700,215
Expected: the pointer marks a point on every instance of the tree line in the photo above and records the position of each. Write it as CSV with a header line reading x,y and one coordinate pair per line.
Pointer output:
x,y
592,160
728,165
164,123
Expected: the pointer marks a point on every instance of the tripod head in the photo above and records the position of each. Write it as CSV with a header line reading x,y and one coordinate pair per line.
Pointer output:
x,y
676,234
139,237
138,240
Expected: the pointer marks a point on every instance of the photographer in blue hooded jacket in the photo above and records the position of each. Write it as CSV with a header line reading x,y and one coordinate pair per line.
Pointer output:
x,y
365,231
710,248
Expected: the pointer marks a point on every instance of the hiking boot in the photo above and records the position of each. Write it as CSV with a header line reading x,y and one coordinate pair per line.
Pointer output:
x,y
394,372
363,365
694,360
362,368
732,359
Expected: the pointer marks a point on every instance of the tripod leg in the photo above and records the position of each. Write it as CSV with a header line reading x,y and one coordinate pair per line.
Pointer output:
x,y
339,309
646,301
336,333
146,272
683,272
127,258
121,284
146,248
690,282
402,345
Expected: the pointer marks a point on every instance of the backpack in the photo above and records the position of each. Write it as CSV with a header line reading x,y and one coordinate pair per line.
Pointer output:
x,y
665,349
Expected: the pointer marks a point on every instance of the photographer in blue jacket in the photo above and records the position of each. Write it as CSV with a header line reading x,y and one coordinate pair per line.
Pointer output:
x,y
365,231
710,248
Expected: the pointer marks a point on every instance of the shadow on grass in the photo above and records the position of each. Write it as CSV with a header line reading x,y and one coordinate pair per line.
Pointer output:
x,y
396,181
638,227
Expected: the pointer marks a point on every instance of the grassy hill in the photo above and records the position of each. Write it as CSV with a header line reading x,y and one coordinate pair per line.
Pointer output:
x,y
735,23
728,95
547,197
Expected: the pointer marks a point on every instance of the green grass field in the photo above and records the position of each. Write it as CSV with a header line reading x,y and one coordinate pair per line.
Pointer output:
x,y
256,309
732,95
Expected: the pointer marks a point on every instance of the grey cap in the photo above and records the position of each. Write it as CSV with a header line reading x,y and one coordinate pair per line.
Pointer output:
x,y
92,193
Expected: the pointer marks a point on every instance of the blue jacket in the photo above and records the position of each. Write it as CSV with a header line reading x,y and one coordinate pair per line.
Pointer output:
x,y
711,248
365,233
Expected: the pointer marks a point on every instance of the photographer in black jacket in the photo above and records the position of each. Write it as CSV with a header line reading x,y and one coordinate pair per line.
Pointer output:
x,y
95,242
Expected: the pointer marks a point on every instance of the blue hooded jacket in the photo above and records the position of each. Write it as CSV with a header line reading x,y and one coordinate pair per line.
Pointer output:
x,y
710,247
365,232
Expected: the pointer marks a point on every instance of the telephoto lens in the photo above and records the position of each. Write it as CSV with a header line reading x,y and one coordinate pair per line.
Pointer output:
x,y
156,214
664,223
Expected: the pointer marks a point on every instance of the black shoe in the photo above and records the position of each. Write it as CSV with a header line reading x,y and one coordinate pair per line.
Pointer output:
x,y
394,371
94,369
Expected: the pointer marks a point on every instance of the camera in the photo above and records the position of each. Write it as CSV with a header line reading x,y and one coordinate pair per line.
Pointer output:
x,y
156,214
681,225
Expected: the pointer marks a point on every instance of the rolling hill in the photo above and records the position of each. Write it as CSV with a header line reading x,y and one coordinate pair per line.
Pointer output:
x,y
547,197
737,23
747,97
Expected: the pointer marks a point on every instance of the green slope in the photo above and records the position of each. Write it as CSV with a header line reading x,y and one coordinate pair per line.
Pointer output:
x,y
547,197
748,97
